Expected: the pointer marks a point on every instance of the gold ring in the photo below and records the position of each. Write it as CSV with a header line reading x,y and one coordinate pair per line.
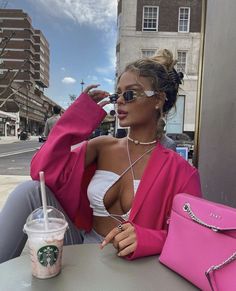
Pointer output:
x,y
120,227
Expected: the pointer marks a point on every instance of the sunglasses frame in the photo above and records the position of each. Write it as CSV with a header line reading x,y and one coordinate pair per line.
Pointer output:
x,y
115,96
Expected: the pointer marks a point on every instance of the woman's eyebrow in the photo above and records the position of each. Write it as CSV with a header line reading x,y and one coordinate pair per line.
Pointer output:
x,y
134,85
131,86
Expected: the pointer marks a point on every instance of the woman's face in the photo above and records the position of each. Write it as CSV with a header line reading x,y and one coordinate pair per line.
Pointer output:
x,y
142,110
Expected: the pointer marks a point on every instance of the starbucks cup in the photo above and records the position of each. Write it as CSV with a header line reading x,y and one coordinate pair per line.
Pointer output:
x,y
46,242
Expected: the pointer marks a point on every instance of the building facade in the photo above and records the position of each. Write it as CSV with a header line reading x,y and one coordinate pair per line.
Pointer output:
x,y
145,26
24,73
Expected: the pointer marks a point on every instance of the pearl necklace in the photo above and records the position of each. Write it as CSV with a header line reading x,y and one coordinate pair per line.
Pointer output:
x,y
136,142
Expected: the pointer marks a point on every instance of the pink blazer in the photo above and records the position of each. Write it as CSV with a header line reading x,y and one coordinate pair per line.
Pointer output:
x,y
165,175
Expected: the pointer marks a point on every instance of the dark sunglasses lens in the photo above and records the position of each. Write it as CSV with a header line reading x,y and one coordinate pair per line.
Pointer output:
x,y
128,96
113,98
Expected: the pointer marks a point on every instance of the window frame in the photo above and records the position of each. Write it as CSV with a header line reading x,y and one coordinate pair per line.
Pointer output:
x,y
148,50
188,26
173,115
186,55
157,18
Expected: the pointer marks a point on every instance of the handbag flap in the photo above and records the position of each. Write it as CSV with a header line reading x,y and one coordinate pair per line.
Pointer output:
x,y
211,213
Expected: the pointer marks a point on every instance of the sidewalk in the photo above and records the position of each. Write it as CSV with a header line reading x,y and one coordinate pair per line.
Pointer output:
x,y
13,139
7,184
8,139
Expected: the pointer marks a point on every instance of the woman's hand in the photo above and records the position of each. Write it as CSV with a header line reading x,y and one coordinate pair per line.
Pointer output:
x,y
124,239
97,95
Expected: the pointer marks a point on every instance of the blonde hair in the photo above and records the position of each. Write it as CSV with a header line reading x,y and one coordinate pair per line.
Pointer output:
x,y
165,58
160,70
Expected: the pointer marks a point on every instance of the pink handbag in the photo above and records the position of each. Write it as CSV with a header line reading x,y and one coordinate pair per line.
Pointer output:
x,y
201,243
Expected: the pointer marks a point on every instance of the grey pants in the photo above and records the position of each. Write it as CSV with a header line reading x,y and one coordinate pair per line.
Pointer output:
x,y
21,202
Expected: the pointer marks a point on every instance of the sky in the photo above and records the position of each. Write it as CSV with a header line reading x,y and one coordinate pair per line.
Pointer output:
x,y
82,40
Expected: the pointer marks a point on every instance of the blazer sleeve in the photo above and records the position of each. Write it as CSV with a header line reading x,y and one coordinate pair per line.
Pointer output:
x,y
55,157
151,241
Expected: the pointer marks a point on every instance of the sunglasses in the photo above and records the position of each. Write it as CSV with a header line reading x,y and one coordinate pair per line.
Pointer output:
x,y
129,95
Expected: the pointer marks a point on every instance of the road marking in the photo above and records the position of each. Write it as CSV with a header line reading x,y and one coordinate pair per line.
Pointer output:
x,y
17,152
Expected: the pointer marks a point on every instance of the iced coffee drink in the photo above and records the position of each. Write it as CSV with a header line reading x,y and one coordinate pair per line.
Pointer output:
x,y
46,244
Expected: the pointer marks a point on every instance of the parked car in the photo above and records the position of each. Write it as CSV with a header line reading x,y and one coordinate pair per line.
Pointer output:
x,y
183,140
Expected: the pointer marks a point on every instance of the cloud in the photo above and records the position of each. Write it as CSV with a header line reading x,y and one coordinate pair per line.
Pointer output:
x,y
68,80
93,78
111,56
99,13
110,81
102,70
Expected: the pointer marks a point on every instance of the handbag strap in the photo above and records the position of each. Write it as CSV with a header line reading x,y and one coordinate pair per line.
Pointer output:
x,y
209,272
187,208
218,267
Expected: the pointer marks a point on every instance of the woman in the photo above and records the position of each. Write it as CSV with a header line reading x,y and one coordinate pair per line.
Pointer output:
x,y
115,190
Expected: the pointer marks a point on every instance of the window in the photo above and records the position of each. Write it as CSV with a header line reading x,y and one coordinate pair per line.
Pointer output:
x,y
150,18
42,58
1,66
42,68
148,53
184,19
41,49
175,118
182,61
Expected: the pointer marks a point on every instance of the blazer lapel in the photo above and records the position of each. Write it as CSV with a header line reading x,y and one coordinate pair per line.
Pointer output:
x,y
154,166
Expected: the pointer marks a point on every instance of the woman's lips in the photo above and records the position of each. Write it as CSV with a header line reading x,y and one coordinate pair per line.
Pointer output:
x,y
121,114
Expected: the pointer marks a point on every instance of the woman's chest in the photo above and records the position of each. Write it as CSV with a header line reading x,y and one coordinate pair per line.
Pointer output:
x,y
111,191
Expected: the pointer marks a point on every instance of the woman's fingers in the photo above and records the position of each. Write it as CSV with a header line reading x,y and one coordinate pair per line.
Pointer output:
x,y
128,250
119,238
109,237
103,103
97,95
88,88
123,237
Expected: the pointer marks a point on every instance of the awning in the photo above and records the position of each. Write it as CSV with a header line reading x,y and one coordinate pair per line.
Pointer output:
x,y
4,114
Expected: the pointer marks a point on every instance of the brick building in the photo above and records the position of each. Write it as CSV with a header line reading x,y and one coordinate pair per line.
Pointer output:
x,y
24,73
144,26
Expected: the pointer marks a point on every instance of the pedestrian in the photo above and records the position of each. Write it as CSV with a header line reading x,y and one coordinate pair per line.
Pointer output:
x,y
112,190
18,132
50,122
165,140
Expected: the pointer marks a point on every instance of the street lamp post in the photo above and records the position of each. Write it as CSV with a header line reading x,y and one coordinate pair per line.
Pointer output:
x,y
27,124
82,85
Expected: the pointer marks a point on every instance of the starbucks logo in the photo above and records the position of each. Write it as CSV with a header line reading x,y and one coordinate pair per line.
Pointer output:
x,y
47,256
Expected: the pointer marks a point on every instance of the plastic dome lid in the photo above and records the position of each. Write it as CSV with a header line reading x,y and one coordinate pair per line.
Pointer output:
x,y
37,217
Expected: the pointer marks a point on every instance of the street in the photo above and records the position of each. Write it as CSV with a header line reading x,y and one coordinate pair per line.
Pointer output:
x,y
15,157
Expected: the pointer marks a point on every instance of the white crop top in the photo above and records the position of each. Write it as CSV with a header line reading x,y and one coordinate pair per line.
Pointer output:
x,y
100,183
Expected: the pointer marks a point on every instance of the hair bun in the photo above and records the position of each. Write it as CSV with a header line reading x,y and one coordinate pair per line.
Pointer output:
x,y
165,58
